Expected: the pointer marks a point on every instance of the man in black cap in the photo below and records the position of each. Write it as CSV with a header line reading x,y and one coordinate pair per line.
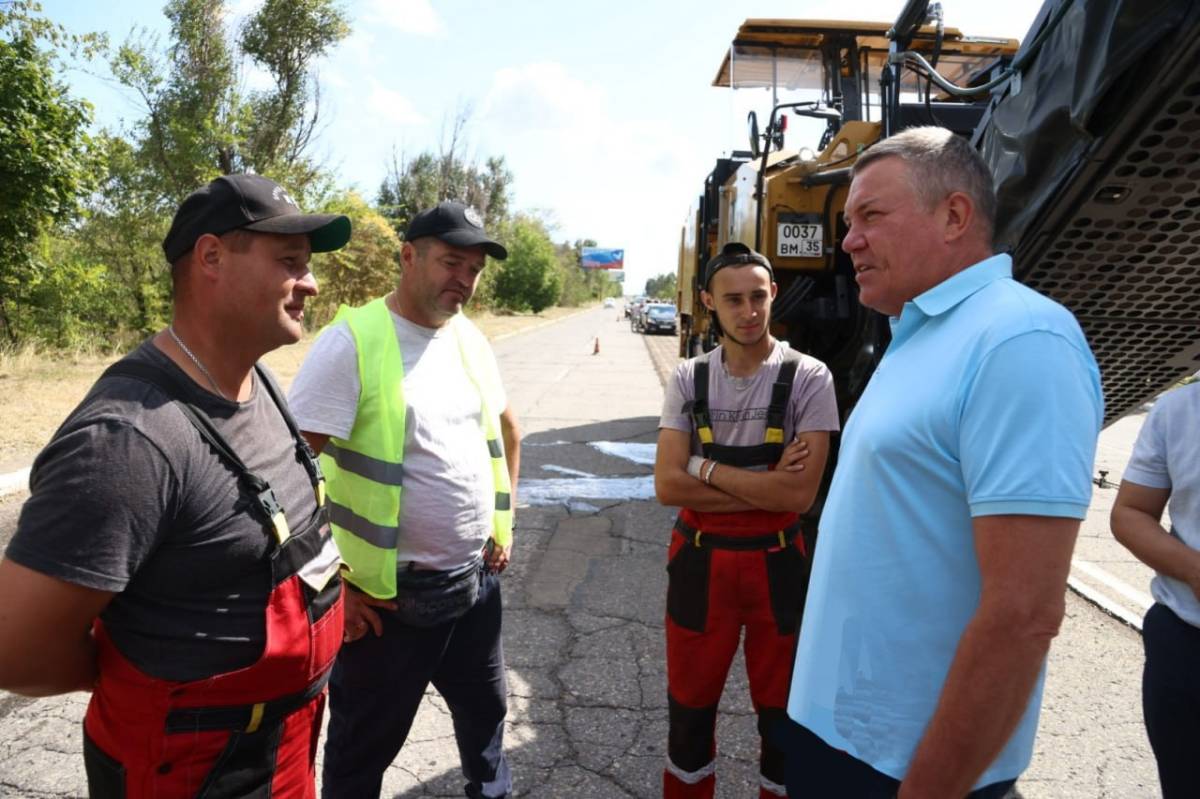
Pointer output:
x,y
403,399
742,446
174,556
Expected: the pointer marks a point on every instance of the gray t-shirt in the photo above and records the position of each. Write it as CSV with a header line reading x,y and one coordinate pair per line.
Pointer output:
x,y
1166,456
127,497
448,497
738,406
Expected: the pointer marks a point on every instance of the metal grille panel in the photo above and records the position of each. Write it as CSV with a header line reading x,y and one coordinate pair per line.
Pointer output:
x,y
1127,263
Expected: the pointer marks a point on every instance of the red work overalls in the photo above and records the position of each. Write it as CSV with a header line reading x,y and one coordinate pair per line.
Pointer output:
x,y
728,572
251,732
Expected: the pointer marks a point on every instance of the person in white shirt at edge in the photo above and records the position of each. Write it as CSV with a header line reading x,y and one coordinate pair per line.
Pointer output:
x,y
1165,468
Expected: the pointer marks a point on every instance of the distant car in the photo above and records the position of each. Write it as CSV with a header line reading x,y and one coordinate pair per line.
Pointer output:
x,y
658,317
609,302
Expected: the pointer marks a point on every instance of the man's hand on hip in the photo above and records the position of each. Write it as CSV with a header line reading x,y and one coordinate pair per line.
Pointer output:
x,y
360,615
495,557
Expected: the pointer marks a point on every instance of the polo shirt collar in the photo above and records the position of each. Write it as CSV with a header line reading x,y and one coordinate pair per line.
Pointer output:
x,y
956,288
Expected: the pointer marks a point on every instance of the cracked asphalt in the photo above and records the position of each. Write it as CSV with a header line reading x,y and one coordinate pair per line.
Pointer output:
x,y
584,601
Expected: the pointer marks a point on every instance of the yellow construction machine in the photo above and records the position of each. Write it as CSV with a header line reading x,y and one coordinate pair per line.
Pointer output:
x,y
1091,128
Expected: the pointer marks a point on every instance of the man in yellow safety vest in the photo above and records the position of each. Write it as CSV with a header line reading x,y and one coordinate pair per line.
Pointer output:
x,y
403,399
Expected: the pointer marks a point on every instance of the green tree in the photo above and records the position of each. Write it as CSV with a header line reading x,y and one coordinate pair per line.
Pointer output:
x,y
122,235
284,37
662,286
412,185
46,164
71,298
366,268
531,278
198,123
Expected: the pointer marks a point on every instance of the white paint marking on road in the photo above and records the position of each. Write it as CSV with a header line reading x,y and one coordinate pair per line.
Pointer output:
x,y
1139,598
13,482
1104,603
561,489
638,453
564,470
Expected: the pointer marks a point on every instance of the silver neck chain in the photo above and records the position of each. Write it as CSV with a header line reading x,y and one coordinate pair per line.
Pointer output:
x,y
195,360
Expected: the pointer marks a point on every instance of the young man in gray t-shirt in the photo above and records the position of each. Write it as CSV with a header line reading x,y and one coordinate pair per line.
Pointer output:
x,y
742,447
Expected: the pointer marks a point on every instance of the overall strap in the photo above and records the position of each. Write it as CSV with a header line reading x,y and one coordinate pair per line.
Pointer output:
x,y
167,383
764,454
698,409
781,392
306,455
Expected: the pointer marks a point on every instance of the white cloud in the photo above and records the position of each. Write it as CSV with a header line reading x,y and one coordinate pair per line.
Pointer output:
x,y
384,105
407,16
623,181
541,97
353,58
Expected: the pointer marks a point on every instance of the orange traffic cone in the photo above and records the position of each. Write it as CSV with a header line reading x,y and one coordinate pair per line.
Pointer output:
x,y
596,346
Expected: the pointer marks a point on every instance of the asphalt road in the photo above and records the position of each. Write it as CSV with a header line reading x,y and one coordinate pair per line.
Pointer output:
x,y
584,606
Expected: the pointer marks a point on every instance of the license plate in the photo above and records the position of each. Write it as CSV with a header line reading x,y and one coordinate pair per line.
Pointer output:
x,y
800,241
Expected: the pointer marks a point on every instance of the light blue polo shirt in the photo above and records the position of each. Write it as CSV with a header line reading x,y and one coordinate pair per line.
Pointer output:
x,y
987,402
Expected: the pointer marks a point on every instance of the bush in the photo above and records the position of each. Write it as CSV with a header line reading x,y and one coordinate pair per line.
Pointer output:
x,y
531,279
366,268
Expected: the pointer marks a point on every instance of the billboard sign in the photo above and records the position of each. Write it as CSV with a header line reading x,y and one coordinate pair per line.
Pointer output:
x,y
602,258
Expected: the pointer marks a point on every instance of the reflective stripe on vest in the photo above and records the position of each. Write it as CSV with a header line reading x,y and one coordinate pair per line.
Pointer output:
x,y
365,473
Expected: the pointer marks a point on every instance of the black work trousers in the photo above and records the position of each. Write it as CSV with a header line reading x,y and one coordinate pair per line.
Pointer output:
x,y
377,686
1171,700
815,770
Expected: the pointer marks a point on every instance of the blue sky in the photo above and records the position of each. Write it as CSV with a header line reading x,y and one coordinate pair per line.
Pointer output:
x,y
603,110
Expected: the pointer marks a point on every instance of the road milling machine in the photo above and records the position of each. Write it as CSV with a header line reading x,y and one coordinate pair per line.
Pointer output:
x,y
1091,128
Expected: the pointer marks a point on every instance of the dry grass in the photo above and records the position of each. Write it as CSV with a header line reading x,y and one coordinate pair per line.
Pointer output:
x,y
38,388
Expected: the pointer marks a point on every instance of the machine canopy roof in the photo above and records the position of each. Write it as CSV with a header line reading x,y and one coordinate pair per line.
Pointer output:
x,y
788,53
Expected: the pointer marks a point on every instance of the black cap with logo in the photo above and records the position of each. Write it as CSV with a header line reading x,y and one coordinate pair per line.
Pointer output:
x,y
733,254
249,202
456,224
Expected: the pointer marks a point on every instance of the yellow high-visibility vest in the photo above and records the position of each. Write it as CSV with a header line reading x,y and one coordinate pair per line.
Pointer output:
x,y
365,474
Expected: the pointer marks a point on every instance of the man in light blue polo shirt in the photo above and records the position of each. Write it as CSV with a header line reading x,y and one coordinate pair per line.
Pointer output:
x,y
946,540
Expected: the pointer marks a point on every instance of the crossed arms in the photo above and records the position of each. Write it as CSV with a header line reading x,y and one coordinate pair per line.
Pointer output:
x,y
791,486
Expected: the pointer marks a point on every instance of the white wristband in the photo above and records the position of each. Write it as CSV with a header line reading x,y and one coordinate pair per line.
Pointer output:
x,y
694,464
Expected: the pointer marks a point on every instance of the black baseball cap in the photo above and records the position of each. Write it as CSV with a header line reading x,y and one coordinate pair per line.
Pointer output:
x,y
456,224
249,202
733,254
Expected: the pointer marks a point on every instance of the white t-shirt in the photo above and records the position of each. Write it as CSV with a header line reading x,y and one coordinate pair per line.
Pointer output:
x,y
1167,456
448,497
